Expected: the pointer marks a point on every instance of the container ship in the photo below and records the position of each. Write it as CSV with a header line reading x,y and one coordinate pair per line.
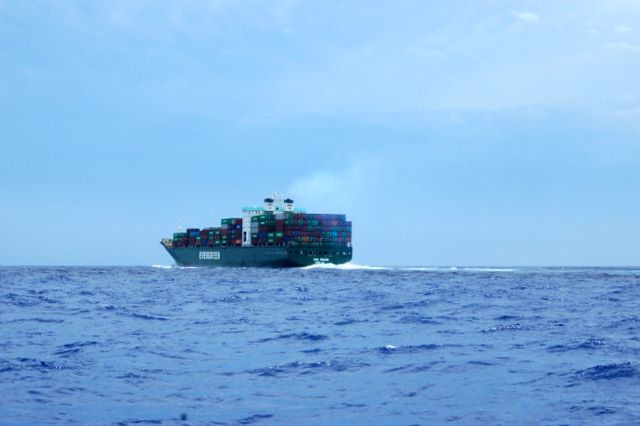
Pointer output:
x,y
275,235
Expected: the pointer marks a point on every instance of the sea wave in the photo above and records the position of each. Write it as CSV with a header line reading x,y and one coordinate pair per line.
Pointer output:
x,y
314,337
357,267
455,269
163,266
347,267
177,267
350,266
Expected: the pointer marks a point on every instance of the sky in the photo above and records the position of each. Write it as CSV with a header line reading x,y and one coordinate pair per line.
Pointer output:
x,y
450,132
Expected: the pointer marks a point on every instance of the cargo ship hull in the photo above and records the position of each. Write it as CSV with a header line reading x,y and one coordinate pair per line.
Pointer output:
x,y
266,256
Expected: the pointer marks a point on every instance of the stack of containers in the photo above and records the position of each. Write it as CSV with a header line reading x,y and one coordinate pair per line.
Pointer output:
x,y
300,229
193,235
204,237
263,229
269,229
229,234
317,229
210,237
214,237
231,231
180,239
279,229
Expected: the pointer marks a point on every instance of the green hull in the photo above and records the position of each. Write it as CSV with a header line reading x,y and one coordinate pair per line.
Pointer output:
x,y
270,256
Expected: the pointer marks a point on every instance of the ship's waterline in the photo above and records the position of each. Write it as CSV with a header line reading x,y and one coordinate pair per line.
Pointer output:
x,y
260,256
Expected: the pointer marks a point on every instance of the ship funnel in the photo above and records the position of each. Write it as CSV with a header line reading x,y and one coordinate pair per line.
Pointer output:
x,y
268,204
288,205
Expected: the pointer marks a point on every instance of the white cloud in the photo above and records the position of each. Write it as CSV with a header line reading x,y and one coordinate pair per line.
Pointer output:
x,y
625,46
526,16
622,29
231,60
338,189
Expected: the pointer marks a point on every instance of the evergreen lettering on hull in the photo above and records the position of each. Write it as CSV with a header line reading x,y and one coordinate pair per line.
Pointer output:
x,y
209,255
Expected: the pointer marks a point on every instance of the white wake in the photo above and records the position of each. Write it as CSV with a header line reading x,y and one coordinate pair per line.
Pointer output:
x,y
347,267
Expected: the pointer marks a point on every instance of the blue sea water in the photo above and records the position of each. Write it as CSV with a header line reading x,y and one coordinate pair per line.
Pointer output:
x,y
316,346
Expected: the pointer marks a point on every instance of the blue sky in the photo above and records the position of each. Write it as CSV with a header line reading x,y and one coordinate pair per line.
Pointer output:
x,y
452,133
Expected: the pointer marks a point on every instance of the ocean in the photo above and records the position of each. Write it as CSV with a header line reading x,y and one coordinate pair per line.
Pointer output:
x,y
350,345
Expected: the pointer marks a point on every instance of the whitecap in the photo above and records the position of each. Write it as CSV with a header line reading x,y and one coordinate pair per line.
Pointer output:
x,y
346,267
474,269
454,269
162,266
423,268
